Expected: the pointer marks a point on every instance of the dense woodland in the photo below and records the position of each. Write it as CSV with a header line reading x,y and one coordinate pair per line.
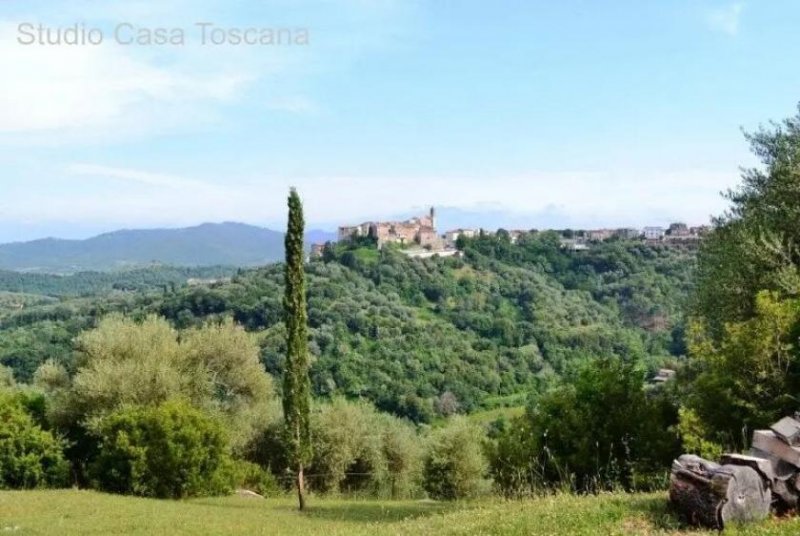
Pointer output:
x,y
519,367
101,283
503,321
397,344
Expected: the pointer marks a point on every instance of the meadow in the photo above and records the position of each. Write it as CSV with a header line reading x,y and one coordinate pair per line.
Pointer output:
x,y
73,512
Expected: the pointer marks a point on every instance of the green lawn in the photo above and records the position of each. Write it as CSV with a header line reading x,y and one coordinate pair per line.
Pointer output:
x,y
71,512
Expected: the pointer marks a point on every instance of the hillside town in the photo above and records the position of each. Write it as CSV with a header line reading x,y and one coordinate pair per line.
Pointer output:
x,y
418,237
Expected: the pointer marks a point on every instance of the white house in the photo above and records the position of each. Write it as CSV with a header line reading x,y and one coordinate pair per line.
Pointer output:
x,y
653,233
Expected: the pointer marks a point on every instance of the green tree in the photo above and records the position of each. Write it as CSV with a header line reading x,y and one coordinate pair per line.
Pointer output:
x,y
600,430
124,362
296,382
454,464
128,363
756,243
749,378
29,456
742,341
166,451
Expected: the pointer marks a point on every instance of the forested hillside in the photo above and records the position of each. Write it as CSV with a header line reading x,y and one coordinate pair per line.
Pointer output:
x,y
420,338
99,283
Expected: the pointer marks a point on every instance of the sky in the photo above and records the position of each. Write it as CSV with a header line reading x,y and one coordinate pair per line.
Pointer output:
x,y
541,113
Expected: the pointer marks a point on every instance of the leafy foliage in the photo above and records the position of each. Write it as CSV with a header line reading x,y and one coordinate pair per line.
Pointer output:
x,y
748,379
30,457
296,383
454,464
169,451
94,283
358,450
406,333
599,430
744,368
755,244
216,367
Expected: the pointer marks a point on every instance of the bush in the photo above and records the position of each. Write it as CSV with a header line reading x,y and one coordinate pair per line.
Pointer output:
x,y
747,378
127,363
357,449
347,447
454,466
600,431
166,451
253,477
403,453
29,456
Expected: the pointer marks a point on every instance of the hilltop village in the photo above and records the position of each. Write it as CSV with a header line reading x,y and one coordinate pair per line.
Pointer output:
x,y
418,237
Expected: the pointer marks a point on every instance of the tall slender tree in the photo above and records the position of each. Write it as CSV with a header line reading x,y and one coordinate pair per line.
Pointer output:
x,y
296,383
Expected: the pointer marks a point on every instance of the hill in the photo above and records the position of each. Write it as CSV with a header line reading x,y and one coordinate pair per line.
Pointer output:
x,y
209,244
409,334
87,513
99,283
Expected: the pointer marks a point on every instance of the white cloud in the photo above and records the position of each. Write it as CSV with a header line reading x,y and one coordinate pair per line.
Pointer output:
x,y
155,199
106,94
105,87
726,19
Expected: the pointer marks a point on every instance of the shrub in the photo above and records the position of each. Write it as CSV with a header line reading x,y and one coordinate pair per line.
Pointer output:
x,y
747,377
6,377
347,447
602,430
357,449
253,477
402,450
167,451
124,362
29,456
454,466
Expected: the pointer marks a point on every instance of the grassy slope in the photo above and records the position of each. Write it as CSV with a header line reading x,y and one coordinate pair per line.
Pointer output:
x,y
71,512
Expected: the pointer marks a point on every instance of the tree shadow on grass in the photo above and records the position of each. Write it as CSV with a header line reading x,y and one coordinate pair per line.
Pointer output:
x,y
657,511
376,512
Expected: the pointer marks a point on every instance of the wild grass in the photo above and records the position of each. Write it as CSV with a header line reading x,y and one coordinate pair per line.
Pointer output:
x,y
71,512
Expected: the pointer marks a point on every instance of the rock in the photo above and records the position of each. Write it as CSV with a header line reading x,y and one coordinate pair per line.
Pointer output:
x,y
247,494
788,429
769,441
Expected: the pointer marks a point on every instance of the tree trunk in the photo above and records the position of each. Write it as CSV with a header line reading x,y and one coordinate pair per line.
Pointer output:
x,y
710,495
747,496
301,488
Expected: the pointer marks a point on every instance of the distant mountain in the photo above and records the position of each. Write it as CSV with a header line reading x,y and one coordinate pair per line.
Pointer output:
x,y
209,244
318,236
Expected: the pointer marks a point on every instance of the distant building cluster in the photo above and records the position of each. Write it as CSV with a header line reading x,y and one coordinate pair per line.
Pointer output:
x,y
418,230
418,234
419,237
676,232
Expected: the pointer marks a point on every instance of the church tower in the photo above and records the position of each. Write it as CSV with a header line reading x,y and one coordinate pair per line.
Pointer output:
x,y
433,218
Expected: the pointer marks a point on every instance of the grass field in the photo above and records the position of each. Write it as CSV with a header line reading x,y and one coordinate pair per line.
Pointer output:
x,y
70,512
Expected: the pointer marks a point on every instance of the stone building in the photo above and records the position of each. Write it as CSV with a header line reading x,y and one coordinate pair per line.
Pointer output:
x,y
627,233
653,233
678,230
418,230
316,251
450,237
599,235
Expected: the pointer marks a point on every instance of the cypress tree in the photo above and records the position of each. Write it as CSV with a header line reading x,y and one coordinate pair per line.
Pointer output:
x,y
296,383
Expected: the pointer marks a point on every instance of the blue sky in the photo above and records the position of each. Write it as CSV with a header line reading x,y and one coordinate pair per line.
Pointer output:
x,y
569,113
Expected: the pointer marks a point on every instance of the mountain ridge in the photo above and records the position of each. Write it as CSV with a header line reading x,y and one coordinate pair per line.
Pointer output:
x,y
206,244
